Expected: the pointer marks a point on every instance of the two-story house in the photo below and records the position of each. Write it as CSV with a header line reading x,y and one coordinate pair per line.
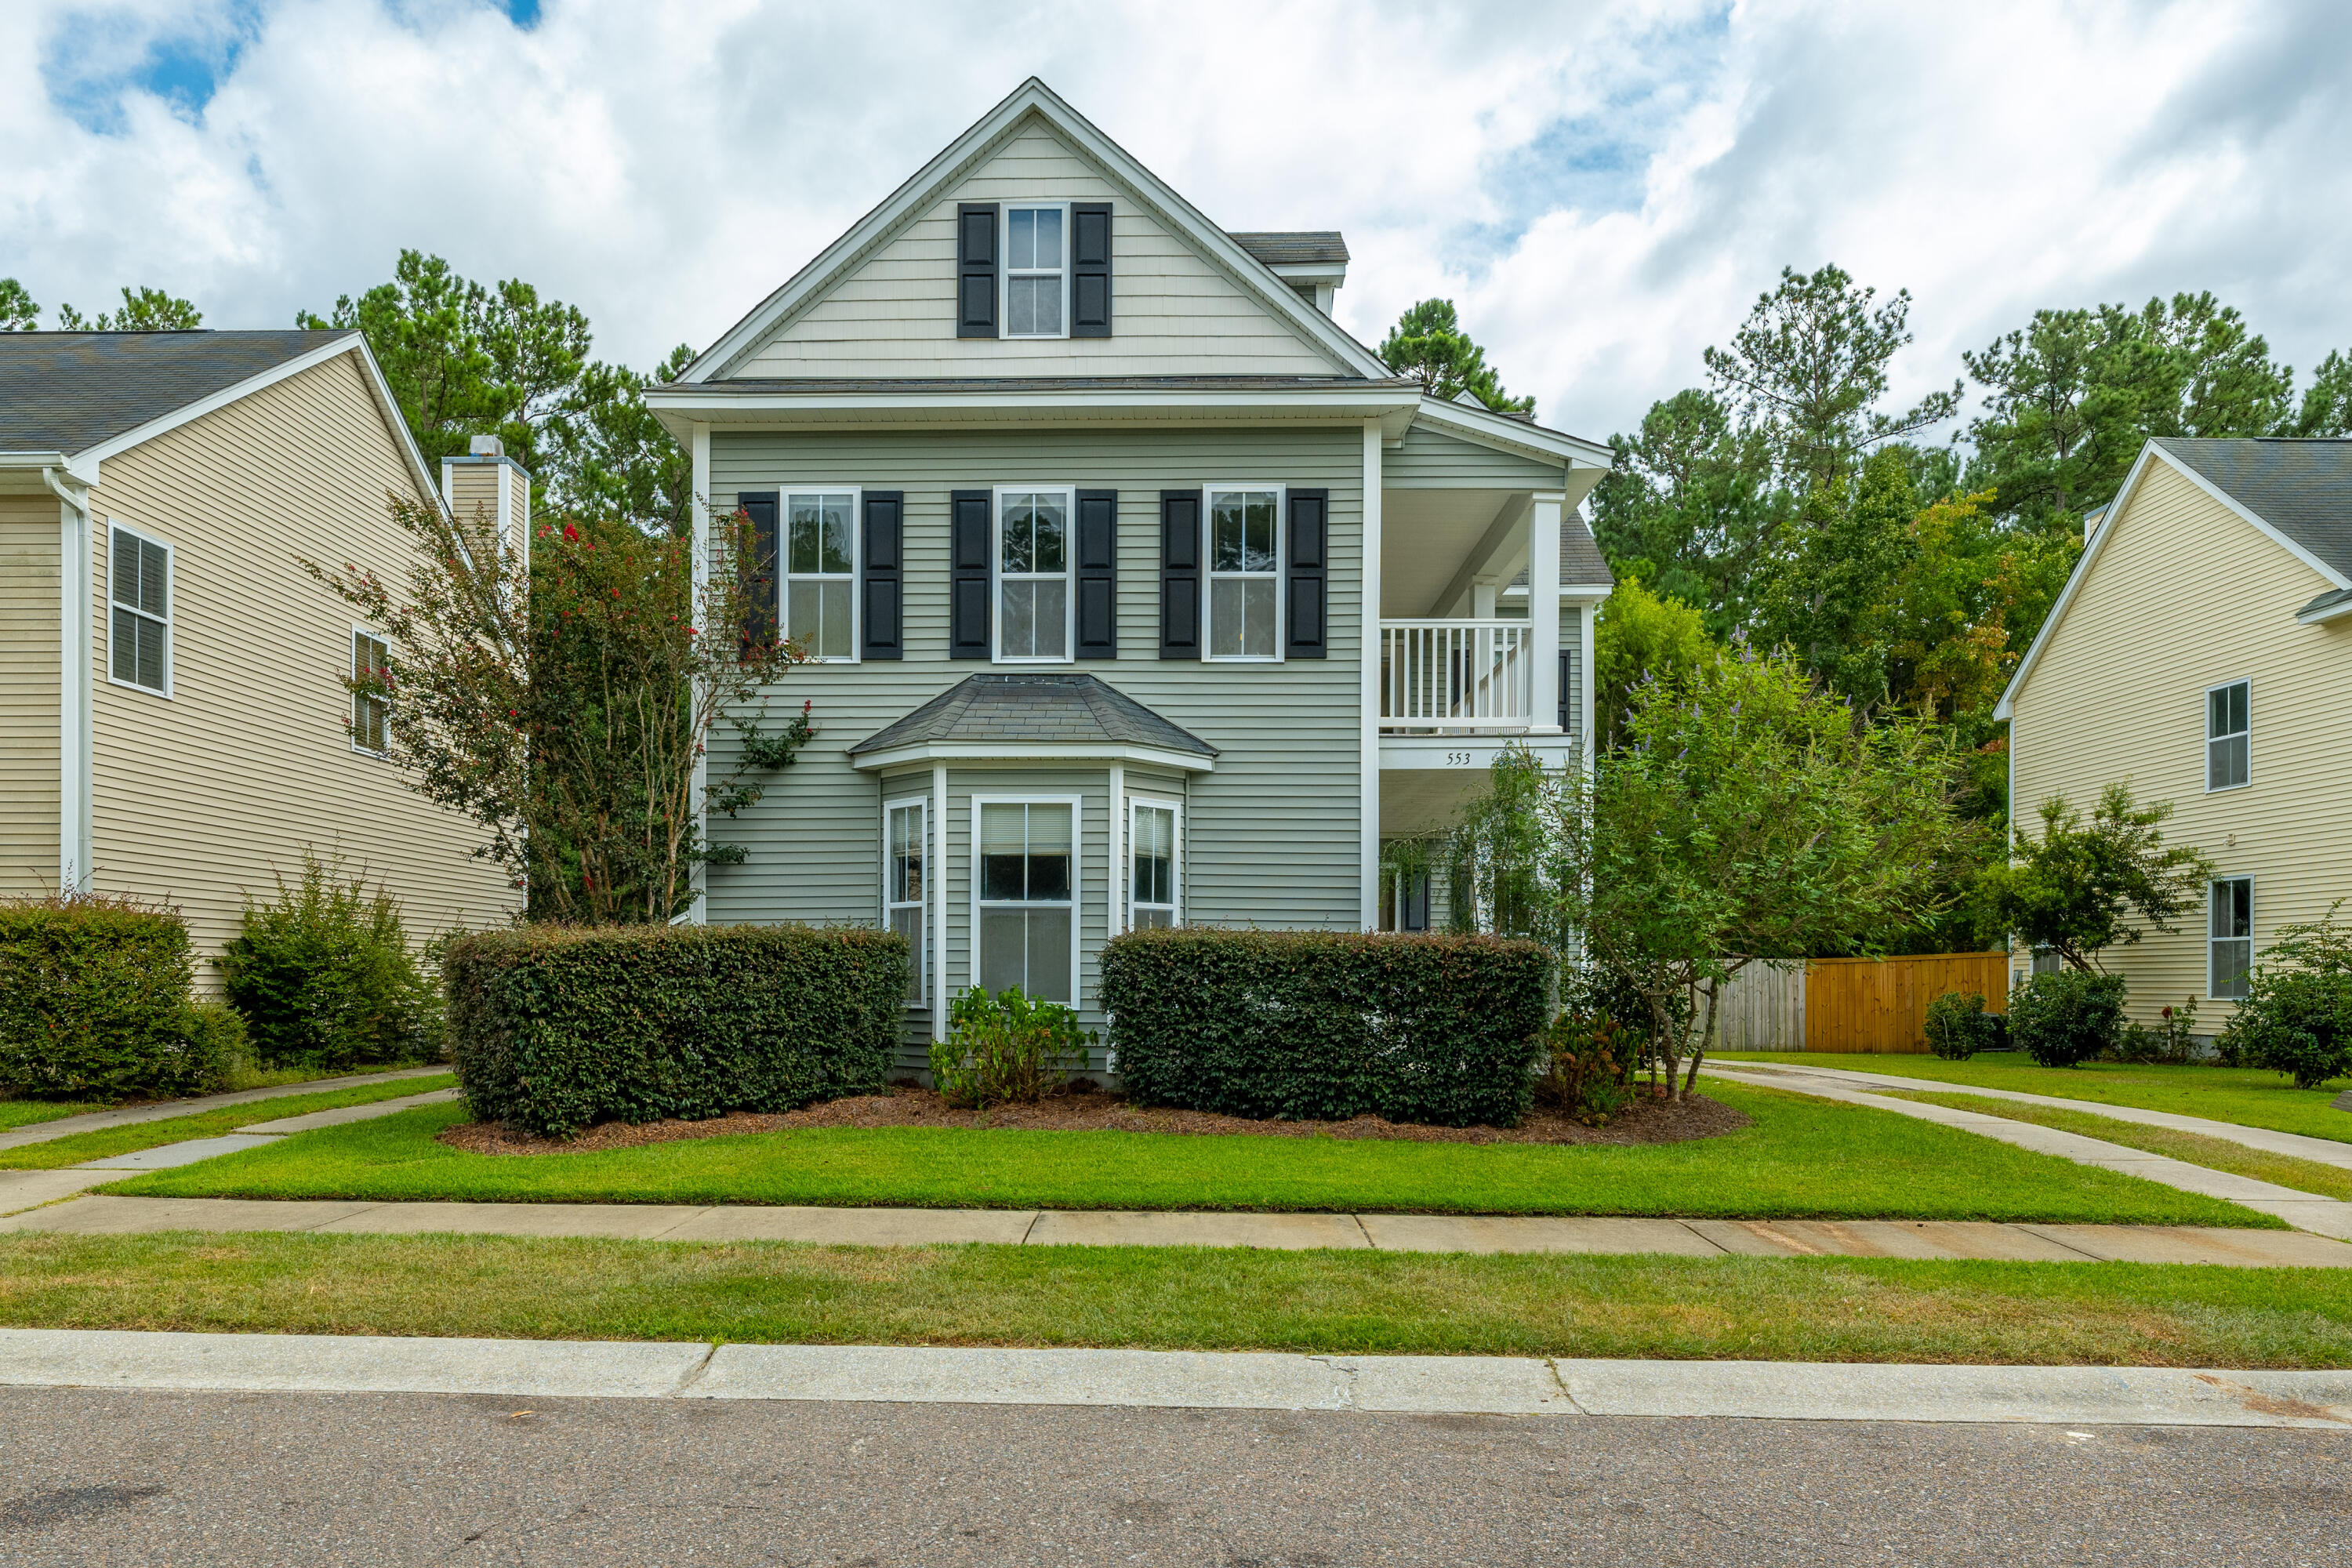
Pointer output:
x,y
1141,592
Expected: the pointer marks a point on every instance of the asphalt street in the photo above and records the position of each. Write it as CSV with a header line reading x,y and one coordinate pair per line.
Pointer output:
x,y
90,1477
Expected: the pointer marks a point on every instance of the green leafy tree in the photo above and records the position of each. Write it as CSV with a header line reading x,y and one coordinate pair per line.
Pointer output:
x,y
1640,637
18,313
2081,887
609,458
2296,1018
1824,594
2327,405
1689,506
1428,344
147,310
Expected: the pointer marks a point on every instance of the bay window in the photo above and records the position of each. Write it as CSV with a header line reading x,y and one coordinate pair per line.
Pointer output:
x,y
1025,896
904,889
1152,865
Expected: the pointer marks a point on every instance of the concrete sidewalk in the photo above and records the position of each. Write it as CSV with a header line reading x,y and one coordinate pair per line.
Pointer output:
x,y
130,1116
102,1216
1491,1385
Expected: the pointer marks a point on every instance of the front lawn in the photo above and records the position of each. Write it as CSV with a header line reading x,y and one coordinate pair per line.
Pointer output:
x,y
81,1147
1802,1158
16,1113
2248,1096
1809,1309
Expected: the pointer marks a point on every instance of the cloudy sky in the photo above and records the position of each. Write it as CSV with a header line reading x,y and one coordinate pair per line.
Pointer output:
x,y
1603,188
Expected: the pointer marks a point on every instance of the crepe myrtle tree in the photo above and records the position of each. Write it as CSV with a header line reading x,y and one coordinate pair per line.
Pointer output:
x,y
1746,819
2082,887
565,698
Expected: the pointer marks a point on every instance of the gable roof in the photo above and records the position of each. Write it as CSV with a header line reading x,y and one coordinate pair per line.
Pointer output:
x,y
1040,712
1292,247
1032,97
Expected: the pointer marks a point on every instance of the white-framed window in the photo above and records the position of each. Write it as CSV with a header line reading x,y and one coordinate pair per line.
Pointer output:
x,y
139,631
1245,575
906,887
370,712
2230,944
1154,864
1036,270
820,548
1034,603
1024,857
2229,736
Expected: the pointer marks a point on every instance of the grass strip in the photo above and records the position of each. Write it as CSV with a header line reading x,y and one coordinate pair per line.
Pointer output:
x,y
1836,1310
2196,1148
33,1112
107,1141
2248,1096
1802,1158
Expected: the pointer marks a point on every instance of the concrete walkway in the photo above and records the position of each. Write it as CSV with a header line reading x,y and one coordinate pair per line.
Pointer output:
x,y
1493,1385
2325,1216
130,1116
104,1215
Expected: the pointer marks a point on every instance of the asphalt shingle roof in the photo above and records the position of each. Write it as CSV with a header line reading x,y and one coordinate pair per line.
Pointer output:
x,y
1292,247
1039,709
1580,561
2302,488
66,391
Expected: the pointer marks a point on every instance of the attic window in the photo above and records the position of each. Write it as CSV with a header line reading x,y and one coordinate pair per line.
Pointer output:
x,y
1035,274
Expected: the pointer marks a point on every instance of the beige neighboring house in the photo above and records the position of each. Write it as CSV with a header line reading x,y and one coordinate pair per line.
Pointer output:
x,y
2203,653
173,722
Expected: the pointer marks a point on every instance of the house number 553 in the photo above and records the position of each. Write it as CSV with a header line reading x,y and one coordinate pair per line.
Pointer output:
x,y
1457,758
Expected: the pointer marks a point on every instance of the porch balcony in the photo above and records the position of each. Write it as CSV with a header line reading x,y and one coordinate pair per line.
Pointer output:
x,y
1458,678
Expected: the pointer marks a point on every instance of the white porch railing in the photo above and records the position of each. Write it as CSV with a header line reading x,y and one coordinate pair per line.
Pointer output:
x,y
1456,675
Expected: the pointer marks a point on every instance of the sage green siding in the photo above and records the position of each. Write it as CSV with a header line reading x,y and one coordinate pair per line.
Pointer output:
x,y
1430,459
1271,834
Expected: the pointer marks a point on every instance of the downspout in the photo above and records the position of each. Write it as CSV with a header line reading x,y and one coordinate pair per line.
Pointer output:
x,y
74,642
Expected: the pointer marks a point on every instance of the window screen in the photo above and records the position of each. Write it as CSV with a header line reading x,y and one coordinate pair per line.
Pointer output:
x,y
1033,273
1033,574
2231,942
906,890
1151,856
820,572
1027,900
2227,737
1245,573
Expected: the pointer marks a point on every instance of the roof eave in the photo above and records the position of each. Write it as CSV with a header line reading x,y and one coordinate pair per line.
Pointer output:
x,y
1489,428
1010,752
679,409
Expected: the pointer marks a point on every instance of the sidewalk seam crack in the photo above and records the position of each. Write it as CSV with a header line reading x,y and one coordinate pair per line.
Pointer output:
x,y
1552,1366
694,1373
1361,1229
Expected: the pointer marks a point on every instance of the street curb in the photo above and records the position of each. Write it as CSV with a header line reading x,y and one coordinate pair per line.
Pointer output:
x,y
2170,1396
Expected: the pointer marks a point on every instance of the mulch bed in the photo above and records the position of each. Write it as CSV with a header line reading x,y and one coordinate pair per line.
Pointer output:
x,y
1086,1110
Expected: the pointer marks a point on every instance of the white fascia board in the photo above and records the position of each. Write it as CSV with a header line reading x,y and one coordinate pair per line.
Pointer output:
x,y
1332,272
1488,428
679,408
928,183
1031,751
2335,611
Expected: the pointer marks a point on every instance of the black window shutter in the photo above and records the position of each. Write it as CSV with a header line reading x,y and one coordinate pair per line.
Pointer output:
x,y
970,512
975,269
759,567
1097,584
1180,574
1566,686
1089,270
882,589
1307,585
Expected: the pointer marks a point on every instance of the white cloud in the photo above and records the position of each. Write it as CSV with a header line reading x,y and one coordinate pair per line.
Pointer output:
x,y
1604,189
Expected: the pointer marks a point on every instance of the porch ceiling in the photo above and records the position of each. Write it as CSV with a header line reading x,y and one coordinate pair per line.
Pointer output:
x,y
1425,536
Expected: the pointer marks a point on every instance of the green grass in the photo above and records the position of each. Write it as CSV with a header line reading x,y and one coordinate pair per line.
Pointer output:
x,y
1824,1309
32,1113
241,1076
79,1147
1803,1158
2247,1096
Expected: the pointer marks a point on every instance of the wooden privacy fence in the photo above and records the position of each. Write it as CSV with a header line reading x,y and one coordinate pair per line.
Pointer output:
x,y
1851,1003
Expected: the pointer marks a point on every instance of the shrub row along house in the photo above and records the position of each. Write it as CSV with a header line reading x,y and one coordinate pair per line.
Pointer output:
x,y
173,719
1141,592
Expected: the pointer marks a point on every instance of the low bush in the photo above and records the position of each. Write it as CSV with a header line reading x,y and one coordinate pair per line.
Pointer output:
x,y
1316,1025
556,1028
94,1001
2172,1042
2296,1018
2068,1018
1007,1048
324,976
1957,1025
1589,1075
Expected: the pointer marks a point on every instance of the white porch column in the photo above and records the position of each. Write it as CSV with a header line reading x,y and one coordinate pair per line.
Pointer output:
x,y
938,872
1543,610
698,447
1368,642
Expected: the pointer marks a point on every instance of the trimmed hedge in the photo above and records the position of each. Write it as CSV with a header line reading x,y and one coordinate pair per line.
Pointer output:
x,y
1323,1025
94,1001
556,1028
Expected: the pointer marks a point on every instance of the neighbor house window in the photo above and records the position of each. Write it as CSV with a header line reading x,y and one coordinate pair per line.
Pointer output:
x,y
821,571
370,661
139,641
1151,859
1245,578
2227,737
904,889
1033,250
2232,944
1033,574
1025,896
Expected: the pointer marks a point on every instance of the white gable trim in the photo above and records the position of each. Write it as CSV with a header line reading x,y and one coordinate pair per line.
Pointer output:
x,y
931,181
1488,428
2112,515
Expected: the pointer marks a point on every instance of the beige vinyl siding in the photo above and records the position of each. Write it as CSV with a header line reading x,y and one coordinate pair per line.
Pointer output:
x,y
201,796
1431,459
2184,596
1173,312
475,485
31,672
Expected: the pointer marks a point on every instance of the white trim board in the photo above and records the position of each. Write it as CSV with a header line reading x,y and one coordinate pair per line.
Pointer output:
x,y
1048,752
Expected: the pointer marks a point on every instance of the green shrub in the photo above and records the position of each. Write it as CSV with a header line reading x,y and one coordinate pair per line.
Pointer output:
x,y
2068,1018
1957,1025
1589,1073
94,1001
2172,1042
1007,1048
2297,1015
1314,1026
325,978
556,1028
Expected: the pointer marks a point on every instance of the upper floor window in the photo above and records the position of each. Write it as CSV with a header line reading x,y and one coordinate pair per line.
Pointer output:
x,y
138,638
1245,573
821,571
371,662
2228,764
1033,574
2229,946
1152,855
1035,271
